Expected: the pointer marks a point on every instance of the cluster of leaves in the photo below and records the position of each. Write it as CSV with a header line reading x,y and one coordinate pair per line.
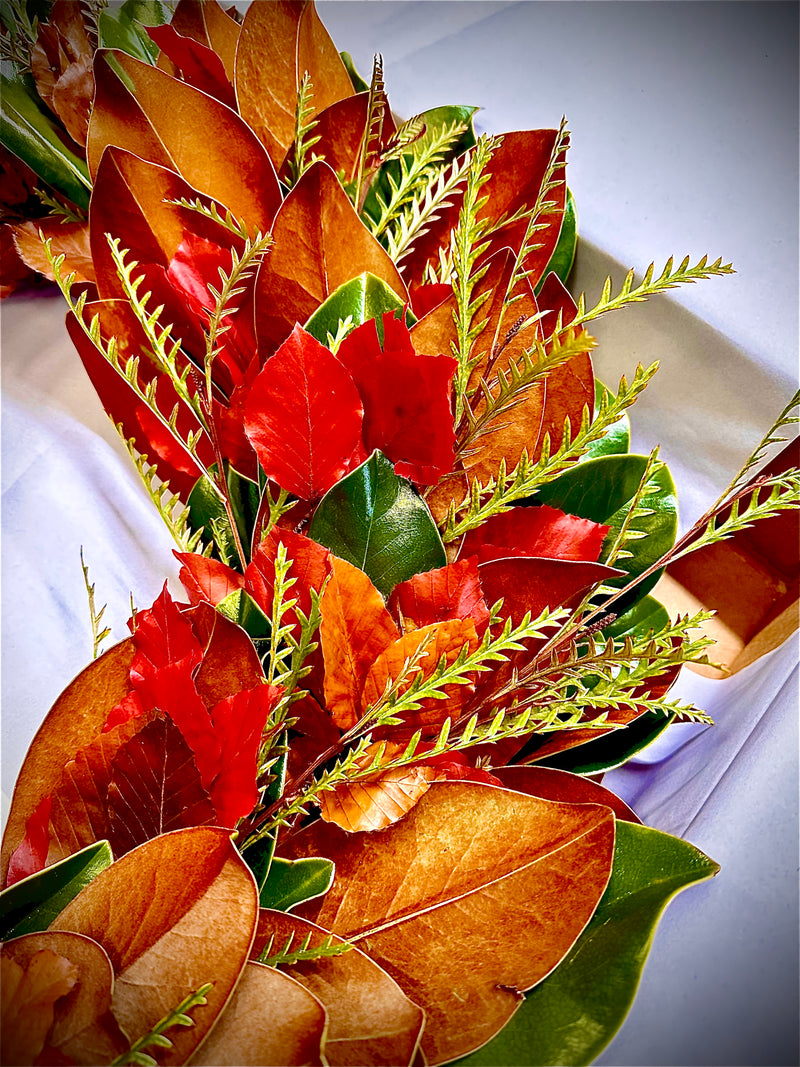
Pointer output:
x,y
417,553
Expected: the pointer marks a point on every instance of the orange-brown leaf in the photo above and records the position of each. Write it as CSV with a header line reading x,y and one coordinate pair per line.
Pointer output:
x,y
549,783
370,1019
67,239
477,893
29,994
205,21
377,801
83,1028
355,630
320,243
149,114
173,914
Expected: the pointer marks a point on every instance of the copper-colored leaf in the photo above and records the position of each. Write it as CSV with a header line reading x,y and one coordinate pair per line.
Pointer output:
x,y
28,995
198,64
377,801
177,912
270,1019
149,113
370,1019
451,592
230,661
83,1027
529,584
61,64
355,629
477,893
278,43
320,243
552,784
206,22
439,639
67,239
72,723
30,855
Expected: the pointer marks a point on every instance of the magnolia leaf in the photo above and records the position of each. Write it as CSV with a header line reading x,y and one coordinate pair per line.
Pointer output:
x,y
240,608
78,1026
377,801
230,662
362,298
208,24
31,134
67,239
617,438
29,994
122,26
319,244
208,513
527,584
303,417
370,1019
451,592
460,923
278,44
535,531
603,490
173,914
375,520
155,787
560,262
551,784
145,111
271,1018
290,882
198,64
355,629
571,1016
33,903
259,855
73,722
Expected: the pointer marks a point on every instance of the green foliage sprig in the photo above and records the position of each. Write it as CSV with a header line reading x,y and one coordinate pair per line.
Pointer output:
x,y
95,616
304,126
288,956
426,206
179,1016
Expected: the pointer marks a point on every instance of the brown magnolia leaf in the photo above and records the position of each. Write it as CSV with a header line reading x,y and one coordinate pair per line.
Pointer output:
x,y
149,112
549,783
377,801
83,1027
29,994
320,243
154,787
61,64
173,914
438,639
355,629
67,239
476,894
206,22
279,42
271,1018
75,719
370,1019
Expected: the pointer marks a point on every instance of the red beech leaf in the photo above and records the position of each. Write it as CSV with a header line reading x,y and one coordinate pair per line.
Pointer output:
x,y
207,23
29,994
148,114
552,784
476,894
30,855
83,1029
154,787
528,584
320,243
315,732
355,629
173,914
451,592
438,639
309,570
377,801
230,661
206,579
199,65
303,417
278,43
406,396
535,531
162,635
370,1020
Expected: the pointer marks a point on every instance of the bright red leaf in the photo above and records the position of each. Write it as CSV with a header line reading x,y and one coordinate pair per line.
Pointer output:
x,y
303,417
530,585
206,579
31,853
535,531
451,592
309,570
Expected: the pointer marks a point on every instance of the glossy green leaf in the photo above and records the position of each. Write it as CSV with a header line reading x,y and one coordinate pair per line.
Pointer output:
x,y
28,131
376,521
31,904
617,438
290,882
259,855
564,253
357,81
362,298
571,1016
207,512
122,27
240,608
602,490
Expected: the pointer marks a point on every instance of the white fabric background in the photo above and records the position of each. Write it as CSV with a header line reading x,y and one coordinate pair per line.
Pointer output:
x,y
684,132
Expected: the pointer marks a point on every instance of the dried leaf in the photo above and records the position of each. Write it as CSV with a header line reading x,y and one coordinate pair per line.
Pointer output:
x,y
279,43
28,995
83,1028
478,893
451,592
148,114
199,65
320,243
270,1019
370,1020
355,629
68,239
177,912
552,784
303,417
206,22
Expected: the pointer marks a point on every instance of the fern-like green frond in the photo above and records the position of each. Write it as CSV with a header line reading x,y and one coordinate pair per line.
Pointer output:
x,y
304,126
289,955
211,211
425,207
67,212
179,1016
95,616
368,152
